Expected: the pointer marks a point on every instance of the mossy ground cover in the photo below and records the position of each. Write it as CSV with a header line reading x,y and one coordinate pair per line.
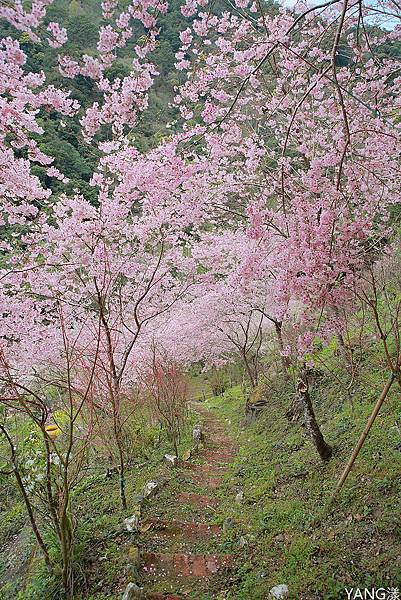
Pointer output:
x,y
290,532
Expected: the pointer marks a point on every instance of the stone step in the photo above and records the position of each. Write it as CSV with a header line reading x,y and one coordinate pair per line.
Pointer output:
x,y
160,566
204,467
172,529
221,443
156,596
217,456
207,480
216,429
222,440
197,499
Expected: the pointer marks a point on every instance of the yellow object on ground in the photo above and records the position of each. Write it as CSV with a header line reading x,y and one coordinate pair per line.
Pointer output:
x,y
53,431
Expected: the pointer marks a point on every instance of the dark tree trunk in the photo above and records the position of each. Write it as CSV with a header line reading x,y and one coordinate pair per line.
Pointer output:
x,y
296,409
252,376
310,423
285,361
345,353
32,519
343,349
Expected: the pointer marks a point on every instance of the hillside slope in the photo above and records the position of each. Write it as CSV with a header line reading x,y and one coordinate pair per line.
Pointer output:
x,y
290,532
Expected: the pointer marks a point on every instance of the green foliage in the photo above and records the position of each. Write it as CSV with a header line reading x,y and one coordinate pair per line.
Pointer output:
x,y
82,18
12,520
82,31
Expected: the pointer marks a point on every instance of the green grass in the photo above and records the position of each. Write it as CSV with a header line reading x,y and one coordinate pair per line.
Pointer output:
x,y
294,535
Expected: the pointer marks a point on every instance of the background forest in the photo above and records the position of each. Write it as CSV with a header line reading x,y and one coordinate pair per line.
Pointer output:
x,y
64,141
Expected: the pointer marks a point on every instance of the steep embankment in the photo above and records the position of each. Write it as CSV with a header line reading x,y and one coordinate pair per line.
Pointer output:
x,y
288,531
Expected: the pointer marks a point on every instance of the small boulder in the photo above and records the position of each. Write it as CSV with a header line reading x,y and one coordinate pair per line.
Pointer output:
x,y
110,472
150,489
138,499
257,402
280,538
133,592
134,555
186,455
132,523
170,460
133,573
279,592
239,497
197,436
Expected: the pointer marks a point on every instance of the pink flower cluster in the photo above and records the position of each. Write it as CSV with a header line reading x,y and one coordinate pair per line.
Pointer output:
x,y
264,215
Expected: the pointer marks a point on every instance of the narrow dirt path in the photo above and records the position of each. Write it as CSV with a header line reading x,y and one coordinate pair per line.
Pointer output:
x,y
181,553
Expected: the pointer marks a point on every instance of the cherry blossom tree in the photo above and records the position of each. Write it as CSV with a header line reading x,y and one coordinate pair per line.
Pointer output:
x,y
163,387
264,209
329,150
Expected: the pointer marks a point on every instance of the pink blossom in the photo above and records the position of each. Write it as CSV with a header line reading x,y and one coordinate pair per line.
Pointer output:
x,y
59,35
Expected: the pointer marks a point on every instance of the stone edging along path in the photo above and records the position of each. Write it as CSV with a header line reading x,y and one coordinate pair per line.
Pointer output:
x,y
179,555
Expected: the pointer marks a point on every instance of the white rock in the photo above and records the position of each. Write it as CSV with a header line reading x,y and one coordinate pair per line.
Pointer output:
x,y
170,460
228,524
197,435
132,523
239,497
132,591
280,592
150,489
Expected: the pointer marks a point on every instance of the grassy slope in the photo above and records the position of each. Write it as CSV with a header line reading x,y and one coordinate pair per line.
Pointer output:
x,y
292,535
102,541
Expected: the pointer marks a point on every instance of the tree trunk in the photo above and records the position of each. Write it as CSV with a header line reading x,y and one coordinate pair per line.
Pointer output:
x,y
285,361
32,519
252,377
121,471
50,495
342,346
117,427
296,409
344,352
66,551
310,423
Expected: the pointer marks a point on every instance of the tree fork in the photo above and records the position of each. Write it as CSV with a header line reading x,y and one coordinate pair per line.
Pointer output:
x,y
285,361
